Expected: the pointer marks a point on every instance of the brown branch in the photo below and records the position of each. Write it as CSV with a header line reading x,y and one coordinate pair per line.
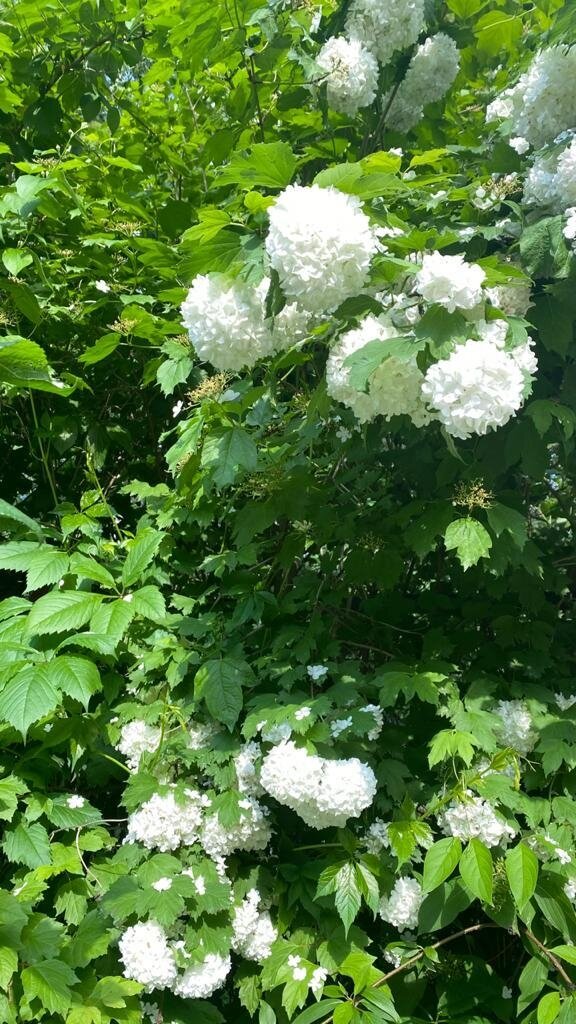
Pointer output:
x,y
441,942
553,960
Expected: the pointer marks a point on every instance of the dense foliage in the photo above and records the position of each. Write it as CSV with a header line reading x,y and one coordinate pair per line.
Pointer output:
x,y
287,710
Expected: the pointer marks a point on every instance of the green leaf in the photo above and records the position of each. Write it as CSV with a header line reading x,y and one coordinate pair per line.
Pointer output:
x,y
104,347
440,907
363,363
269,165
469,539
149,602
219,685
27,845
544,249
440,861
503,519
567,953
320,1011
141,551
11,788
343,1013
266,1014
15,515
347,895
477,870
45,567
91,940
498,31
24,364
522,873
89,569
225,454
16,259
50,982
61,611
28,697
548,1008
8,965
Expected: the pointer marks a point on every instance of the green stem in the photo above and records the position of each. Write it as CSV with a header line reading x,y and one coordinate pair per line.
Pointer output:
x,y
43,453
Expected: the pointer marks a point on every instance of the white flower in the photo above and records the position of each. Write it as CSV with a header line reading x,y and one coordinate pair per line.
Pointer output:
x,y
302,713
515,727
147,957
476,389
376,711
343,434
402,906
474,818
177,409
137,738
299,973
321,243
102,286
513,298
542,102
162,885
276,732
570,226
552,180
293,960
570,890
385,26
323,792
564,703
317,672
340,725
376,838
450,281
319,975
199,735
395,385
253,931
203,979
164,823
520,144
225,323
246,771
506,992
251,832
430,74
75,802
200,885
351,74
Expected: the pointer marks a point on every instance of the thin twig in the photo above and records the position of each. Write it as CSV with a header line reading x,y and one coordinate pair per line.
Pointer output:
x,y
553,960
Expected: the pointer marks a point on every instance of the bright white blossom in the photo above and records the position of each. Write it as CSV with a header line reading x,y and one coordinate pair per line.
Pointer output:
x,y
570,890
317,672
474,818
564,703
402,906
202,980
318,979
253,931
147,957
552,179
102,286
570,226
75,802
542,103
376,838
340,725
477,388
302,713
450,281
225,323
385,26
137,738
394,387
515,727
165,823
351,74
520,144
376,711
430,74
162,885
251,832
323,792
321,243
246,770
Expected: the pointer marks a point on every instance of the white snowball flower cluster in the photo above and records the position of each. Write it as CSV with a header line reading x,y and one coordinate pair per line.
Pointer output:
x,y
552,179
376,838
147,956
351,74
565,703
513,298
385,26
515,728
430,74
474,818
376,711
224,322
395,387
402,906
251,832
570,890
543,102
320,242
203,979
323,792
164,823
246,769
495,332
253,931
477,388
450,281
570,226
137,738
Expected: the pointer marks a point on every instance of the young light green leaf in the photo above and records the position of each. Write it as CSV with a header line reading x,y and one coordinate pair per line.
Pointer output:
x,y
469,539
141,551
27,844
50,981
440,861
28,697
522,873
477,870
60,611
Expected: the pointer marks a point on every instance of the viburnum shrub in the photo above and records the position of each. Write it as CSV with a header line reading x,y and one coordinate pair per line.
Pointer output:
x,y
287,424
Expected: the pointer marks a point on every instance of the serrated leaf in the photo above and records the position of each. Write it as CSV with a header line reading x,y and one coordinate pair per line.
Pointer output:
x,y
149,602
111,619
10,514
269,165
225,454
89,569
347,896
50,982
8,965
219,685
503,519
61,611
74,677
28,697
91,940
141,551
469,539
45,567
29,845
440,861
477,870
522,873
